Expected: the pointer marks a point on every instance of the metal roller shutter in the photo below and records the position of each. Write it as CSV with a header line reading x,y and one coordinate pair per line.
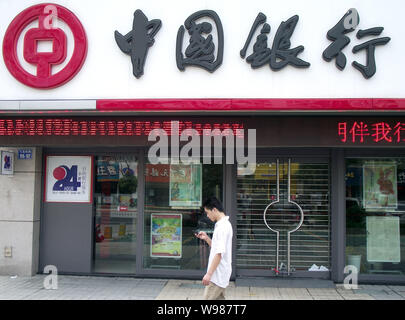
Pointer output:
x,y
310,244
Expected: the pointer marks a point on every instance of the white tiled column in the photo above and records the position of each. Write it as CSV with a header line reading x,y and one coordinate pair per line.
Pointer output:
x,y
20,202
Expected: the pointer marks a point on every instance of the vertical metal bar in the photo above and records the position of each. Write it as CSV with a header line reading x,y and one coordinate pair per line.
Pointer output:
x,y
277,246
140,212
338,213
288,254
289,181
288,199
264,215
301,219
278,180
230,201
278,200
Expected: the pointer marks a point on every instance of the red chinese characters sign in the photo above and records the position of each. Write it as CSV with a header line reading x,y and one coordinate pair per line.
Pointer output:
x,y
72,127
157,173
381,132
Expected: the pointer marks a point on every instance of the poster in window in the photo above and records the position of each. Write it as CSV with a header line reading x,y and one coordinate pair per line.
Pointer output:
x,y
68,179
383,239
114,168
107,171
380,186
7,162
185,185
166,236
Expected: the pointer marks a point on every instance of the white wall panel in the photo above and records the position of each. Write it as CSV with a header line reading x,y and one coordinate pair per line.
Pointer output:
x,y
107,72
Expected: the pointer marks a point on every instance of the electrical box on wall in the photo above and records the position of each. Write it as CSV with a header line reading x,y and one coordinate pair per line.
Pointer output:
x,y
8,252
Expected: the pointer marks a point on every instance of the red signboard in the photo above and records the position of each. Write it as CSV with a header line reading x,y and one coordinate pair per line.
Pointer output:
x,y
378,132
70,127
157,173
240,105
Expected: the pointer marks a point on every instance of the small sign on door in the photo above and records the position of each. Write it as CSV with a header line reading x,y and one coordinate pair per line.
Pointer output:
x,y
24,154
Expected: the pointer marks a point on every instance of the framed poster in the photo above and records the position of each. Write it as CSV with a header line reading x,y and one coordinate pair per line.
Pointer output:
x,y
185,185
68,179
166,235
7,162
380,186
383,239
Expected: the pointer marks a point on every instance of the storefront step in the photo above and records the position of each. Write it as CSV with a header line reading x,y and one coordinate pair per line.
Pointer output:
x,y
284,283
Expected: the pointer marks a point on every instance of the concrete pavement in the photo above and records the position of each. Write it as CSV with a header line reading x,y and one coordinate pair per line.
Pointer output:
x,y
114,288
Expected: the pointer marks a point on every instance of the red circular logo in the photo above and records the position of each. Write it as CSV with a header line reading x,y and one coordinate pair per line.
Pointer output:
x,y
46,31
59,173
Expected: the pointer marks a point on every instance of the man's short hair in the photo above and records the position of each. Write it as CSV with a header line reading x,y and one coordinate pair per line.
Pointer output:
x,y
213,202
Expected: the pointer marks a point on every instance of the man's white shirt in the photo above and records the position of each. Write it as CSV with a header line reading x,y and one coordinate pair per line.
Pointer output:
x,y
222,243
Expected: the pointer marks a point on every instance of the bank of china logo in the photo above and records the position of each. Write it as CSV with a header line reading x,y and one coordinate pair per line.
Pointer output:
x,y
66,178
49,17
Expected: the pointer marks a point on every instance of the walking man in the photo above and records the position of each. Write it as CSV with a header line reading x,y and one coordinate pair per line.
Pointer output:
x,y
220,260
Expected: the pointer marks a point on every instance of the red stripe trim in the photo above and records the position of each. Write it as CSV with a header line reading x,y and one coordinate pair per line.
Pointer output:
x,y
389,104
252,105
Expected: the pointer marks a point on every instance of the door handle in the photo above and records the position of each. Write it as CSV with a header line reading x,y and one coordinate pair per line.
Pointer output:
x,y
291,231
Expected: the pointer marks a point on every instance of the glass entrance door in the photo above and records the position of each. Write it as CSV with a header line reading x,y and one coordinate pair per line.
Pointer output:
x,y
283,218
115,214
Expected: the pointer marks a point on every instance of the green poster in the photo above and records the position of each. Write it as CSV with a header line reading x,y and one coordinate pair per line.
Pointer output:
x,y
380,186
185,185
166,236
383,239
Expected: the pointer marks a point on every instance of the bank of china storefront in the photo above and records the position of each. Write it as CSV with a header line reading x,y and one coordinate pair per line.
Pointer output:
x,y
326,189
299,212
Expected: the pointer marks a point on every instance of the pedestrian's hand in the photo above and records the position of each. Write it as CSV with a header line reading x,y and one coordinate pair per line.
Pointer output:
x,y
206,280
202,235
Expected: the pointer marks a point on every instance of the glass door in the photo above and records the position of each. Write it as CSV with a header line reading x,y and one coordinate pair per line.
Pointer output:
x,y
174,194
115,214
283,218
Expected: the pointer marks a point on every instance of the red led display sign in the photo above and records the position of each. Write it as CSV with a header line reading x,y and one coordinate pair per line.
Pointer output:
x,y
377,132
71,127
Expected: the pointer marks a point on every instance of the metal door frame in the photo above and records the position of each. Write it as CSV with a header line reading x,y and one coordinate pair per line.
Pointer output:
x,y
308,155
278,266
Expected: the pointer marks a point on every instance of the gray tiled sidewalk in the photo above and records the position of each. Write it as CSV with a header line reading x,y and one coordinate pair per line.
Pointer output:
x,y
100,288
80,288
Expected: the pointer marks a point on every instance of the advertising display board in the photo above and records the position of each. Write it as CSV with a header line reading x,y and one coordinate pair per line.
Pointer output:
x,y
380,186
383,239
166,236
68,179
185,185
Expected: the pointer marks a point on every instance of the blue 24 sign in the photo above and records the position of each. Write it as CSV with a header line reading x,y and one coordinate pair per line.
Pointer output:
x,y
66,178
69,179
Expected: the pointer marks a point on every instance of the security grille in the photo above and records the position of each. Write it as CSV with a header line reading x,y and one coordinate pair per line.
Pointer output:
x,y
309,188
